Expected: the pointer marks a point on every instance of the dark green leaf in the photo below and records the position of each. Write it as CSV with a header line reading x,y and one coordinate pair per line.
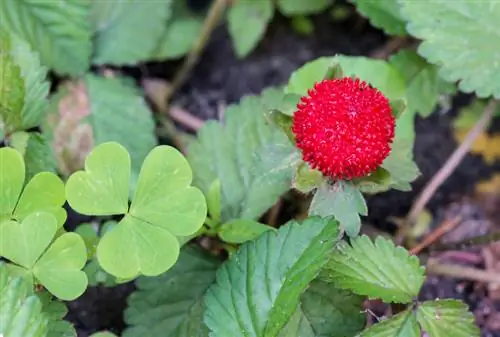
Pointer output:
x,y
54,312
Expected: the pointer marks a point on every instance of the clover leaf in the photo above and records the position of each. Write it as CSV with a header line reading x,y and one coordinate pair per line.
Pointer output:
x,y
56,265
44,192
165,206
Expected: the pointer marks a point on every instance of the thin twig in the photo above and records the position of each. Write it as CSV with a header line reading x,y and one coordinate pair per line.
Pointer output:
x,y
185,118
448,168
390,47
214,14
467,243
467,273
436,234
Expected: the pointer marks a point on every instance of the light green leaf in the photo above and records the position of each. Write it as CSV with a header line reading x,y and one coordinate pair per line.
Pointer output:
x,y
383,14
332,312
252,159
171,305
180,34
442,318
102,189
248,20
462,38
130,31
12,174
59,268
403,324
23,243
54,312
301,7
377,270
423,82
59,30
103,334
36,151
20,312
258,289
241,230
342,200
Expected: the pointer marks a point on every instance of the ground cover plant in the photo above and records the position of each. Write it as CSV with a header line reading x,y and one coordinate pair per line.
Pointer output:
x,y
254,224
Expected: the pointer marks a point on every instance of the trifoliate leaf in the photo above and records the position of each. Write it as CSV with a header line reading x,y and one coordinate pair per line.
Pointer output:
x,y
131,30
301,7
95,111
59,30
383,14
171,305
164,207
377,270
258,289
460,37
332,312
423,82
442,318
248,20
342,200
23,90
252,159
20,312
180,33
54,311
403,324
241,230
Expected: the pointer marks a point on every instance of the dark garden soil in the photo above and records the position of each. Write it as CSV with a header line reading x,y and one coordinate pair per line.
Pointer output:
x,y
220,78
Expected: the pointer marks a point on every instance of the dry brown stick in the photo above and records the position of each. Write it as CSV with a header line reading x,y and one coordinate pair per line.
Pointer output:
x,y
436,234
214,14
185,118
467,273
470,242
390,47
448,168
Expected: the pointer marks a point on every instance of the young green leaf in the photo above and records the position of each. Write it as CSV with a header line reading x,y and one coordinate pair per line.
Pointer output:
x,y
20,312
403,324
24,90
423,82
252,159
164,207
332,312
342,200
377,270
241,230
130,31
384,15
442,318
259,288
54,312
171,304
248,20
301,7
59,30
460,37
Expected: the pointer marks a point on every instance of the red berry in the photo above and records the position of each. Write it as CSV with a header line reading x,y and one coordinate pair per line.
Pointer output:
x,y
344,128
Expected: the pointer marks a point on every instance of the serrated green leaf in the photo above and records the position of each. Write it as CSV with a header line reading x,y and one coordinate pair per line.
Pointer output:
x,y
258,289
377,270
252,159
383,14
342,200
171,305
301,7
20,313
24,90
248,20
131,30
240,230
403,324
423,82
460,37
180,34
332,312
54,311
59,30
144,241
442,318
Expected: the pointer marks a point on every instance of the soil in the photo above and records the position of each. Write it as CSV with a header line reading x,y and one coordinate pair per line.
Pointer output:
x,y
221,78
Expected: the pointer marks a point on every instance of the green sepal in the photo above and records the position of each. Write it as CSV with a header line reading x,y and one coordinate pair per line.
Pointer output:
x,y
376,182
283,121
399,106
334,72
307,179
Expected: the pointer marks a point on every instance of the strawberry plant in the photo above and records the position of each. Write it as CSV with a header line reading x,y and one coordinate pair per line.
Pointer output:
x,y
195,225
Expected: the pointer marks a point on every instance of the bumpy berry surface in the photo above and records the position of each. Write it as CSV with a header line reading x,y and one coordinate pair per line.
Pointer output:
x,y
344,128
